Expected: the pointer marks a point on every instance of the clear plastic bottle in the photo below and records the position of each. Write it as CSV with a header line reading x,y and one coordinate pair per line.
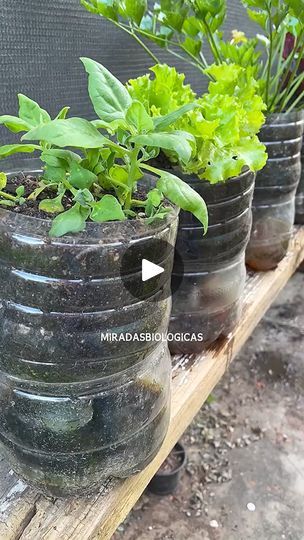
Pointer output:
x,y
273,204
209,300
300,195
75,409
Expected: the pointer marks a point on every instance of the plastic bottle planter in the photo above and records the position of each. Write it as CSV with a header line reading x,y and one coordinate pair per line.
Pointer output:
x,y
300,195
75,409
275,189
209,298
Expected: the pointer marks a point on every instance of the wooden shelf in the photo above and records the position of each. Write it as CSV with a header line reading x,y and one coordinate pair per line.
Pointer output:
x,y
26,515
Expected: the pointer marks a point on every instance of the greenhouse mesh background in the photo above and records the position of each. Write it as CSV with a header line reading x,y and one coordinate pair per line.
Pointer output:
x,y
41,43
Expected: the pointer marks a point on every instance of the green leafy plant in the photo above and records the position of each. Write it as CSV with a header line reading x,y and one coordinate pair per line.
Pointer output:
x,y
92,169
279,76
224,123
188,29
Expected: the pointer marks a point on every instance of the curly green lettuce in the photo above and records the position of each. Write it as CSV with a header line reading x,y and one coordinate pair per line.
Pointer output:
x,y
224,123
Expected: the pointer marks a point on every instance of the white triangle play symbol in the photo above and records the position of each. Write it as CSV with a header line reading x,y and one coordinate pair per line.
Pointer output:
x,y
150,270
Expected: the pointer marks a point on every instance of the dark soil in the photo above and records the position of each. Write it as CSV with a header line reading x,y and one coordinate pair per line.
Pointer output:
x,y
162,162
31,207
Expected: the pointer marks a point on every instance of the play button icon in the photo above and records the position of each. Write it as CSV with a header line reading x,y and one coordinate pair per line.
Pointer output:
x,y
149,270
146,270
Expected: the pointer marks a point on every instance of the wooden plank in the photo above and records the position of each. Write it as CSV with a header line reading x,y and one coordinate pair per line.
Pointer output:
x,y
193,380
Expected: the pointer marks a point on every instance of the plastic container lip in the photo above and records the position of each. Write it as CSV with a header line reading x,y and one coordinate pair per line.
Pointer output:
x,y
195,178
284,118
181,451
107,229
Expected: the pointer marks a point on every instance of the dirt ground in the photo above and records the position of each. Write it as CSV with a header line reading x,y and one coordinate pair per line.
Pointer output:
x,y
245,474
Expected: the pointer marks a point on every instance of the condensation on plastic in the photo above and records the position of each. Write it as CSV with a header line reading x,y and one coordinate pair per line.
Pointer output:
x,y
274,195
75,409
300,195
209,301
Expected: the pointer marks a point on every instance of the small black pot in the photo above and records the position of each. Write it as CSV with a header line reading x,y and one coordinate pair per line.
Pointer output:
x,y
165,483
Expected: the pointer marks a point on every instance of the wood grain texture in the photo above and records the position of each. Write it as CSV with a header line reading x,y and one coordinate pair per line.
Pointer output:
x,y
27,516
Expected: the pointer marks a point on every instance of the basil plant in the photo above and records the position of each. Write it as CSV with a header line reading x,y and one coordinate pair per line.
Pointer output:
x,y
98,165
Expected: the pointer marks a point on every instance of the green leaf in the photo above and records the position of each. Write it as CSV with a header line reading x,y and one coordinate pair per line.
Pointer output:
x,y
89,6
107,8
71,221
10,149
155,197
81,178
33,196
181,194
31,112
84,197
3,180
119,175
62,114
253,152
52,206
203,7
138,117
180,142
55,174
298,8
107,209
56,156
221,165
259,18
163,122
109,97
135,10
193,46
20,191
75,132
14,124
5,202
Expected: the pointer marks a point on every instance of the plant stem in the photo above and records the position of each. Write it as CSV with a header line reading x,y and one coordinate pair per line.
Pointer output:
x,y
295,103
139,41
180,57
293,90
280,68
135,202
270,58
150,168
8,196
212,43
131,176
194,60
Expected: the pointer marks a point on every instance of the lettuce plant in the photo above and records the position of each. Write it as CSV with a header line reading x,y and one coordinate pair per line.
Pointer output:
x,y
189,29
224,123
98,164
